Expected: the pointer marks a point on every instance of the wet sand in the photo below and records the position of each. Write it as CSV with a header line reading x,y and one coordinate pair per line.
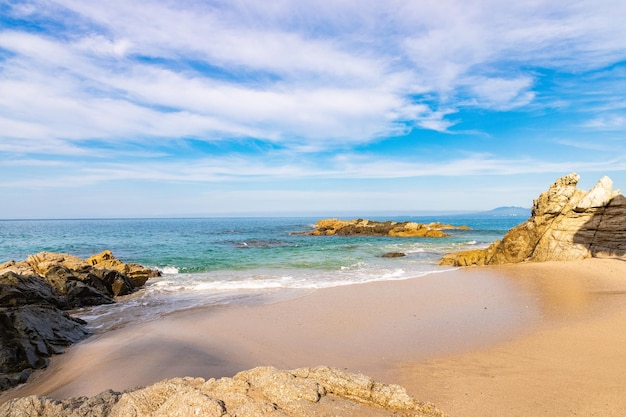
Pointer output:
x,y
536,339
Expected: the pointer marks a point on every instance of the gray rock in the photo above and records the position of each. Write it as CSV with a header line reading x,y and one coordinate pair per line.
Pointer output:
x,y
32,295
18,290
393,255
30,334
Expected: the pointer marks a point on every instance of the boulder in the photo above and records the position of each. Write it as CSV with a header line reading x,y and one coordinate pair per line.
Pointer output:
x,y
565,224
78,288
43,261
257,392
107,274
138,274
20,290
29,334
327,227
33,294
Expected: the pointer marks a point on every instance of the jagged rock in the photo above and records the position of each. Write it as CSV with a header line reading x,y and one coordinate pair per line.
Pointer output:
x,y
138,274
78,288
44,261
19,290
259,392
565,224
20,268
41,263
103,272
29,334
362,227
33,293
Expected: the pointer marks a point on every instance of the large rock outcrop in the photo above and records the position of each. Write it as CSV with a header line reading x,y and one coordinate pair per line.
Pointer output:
x,y
362,227
259,392
41,263
34,294
565,224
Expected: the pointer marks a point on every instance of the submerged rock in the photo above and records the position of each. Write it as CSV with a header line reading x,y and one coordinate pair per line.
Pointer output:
x,y
393,255
362,227
257,392
565,224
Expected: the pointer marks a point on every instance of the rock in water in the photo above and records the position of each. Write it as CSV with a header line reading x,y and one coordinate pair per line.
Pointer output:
x,y
327,227
393,255
138,274
565,224
258,392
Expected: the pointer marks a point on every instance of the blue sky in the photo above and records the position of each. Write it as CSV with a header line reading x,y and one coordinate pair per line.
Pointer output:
x,y
242,107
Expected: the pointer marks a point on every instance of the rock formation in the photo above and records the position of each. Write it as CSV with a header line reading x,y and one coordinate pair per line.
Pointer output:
x,y
258,392
565,224
33,295
362,227
41,263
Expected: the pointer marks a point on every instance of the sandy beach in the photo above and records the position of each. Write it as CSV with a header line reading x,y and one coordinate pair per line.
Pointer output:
x,y
518,340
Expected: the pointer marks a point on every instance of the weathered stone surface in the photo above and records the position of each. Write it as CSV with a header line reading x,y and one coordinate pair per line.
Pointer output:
x,y
19,290
259,392
362,227
29,334
565,224
42,262
138,274
32,326
33,293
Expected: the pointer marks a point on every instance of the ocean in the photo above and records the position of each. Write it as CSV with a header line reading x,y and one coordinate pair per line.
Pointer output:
x,y
217,261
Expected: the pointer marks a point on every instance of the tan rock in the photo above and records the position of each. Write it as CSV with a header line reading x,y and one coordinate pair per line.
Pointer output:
x,y
259,392
327,227
21,268
566,224
43,261
138,274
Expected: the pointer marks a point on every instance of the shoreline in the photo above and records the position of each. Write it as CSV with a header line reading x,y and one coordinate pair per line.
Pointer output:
x,y
418,332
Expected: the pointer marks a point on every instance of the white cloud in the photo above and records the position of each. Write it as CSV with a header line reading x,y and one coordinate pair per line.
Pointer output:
x,y
312,75
607,122
501,93
282,168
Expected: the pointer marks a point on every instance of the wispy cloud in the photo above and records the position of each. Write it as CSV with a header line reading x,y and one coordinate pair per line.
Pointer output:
x,y
304,90
311,73
240,169
607,122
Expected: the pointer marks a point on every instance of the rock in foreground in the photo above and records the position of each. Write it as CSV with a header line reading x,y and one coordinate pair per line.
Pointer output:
x,y
33,295
565,224
258,392
362,227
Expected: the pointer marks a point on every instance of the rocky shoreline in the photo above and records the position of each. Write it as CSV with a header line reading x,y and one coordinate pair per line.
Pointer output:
x,y
566,224
35,295
361,227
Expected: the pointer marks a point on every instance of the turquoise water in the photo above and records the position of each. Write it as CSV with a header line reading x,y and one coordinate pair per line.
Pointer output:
x,y
225,260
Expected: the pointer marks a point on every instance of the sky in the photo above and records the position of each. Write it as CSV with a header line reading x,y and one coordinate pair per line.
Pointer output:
x,y
155,108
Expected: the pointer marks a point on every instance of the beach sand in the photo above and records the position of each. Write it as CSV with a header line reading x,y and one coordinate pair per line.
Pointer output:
x,y
518,340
